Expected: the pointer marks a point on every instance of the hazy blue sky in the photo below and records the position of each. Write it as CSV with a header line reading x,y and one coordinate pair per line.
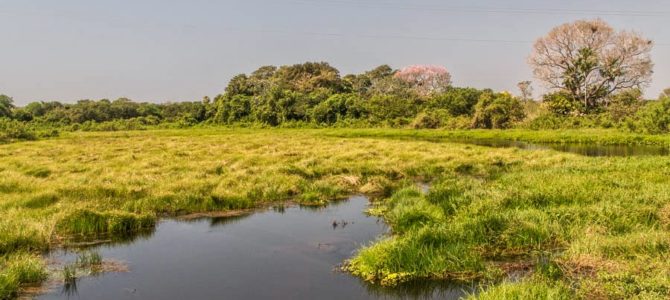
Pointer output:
x,y
151,50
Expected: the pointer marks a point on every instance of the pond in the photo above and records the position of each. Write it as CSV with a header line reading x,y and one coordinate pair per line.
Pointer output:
x,y
582,149
280,253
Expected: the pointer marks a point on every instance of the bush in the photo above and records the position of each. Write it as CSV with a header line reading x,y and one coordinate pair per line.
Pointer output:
x,y
6,106
562,103
457,101
555,121
430,119
335,108
624,104
391,107
654,118
15,130
497,111
460,122
17,270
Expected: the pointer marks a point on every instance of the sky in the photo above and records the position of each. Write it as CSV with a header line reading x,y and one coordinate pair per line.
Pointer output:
x,y
166,50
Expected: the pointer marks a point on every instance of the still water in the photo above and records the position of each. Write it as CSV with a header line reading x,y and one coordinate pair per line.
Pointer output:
x,y
288,253
582,149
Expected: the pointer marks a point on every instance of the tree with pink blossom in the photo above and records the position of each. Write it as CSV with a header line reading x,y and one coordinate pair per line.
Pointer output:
x,y
425,79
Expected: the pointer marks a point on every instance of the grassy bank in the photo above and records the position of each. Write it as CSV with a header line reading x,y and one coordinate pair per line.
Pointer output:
x,y
576,136
572,225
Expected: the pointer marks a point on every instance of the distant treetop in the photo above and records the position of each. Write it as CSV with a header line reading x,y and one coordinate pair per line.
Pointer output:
x,y
426,79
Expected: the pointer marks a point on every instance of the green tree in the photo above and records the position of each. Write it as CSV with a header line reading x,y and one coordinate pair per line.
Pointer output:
x,y
309,76
562,103
124,108
457,101
389,107
189,112
239,85
335,108
6,106
369,80
210,107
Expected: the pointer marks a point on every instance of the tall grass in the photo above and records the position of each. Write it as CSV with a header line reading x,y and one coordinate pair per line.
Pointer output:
x,y
19,269
602,224
602,221
577,136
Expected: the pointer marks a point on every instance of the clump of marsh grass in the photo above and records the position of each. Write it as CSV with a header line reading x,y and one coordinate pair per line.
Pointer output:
x,y
533,288
89,223
69,274
86,263
18,270
89,260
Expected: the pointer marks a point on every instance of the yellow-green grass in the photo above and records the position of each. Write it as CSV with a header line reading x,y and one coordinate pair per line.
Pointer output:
x,y
577,136
583,226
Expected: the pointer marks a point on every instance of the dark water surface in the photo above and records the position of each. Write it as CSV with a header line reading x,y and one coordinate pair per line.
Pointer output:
x,y
286,253
582,149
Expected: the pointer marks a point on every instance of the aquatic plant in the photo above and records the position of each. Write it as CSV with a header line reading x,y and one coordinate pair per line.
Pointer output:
x,y
69,274
89,260
19,269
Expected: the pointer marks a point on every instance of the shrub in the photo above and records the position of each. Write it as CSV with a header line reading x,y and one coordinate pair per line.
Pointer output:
x,y
562,103
15,130
555,121
335,108
458,101
497,111
624,104
19,269
390,107
654,118
430,119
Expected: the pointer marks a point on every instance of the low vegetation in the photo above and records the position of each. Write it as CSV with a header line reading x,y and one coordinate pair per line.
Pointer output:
x,y
20,269
596,226
569,225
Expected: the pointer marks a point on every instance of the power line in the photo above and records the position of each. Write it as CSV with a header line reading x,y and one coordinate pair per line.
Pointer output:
x,y
379,36
490,10
389,36
120,22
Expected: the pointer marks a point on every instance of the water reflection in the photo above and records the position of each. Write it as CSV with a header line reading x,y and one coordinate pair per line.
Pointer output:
x,y
78,243
223,221
69,289
288,253
427,289
582,149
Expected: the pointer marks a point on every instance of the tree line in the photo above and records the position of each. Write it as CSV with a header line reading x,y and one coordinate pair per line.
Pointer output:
x,y
308,94
594,73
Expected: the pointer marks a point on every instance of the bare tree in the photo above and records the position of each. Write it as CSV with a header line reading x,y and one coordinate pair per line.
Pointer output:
x,y
590,60
526,89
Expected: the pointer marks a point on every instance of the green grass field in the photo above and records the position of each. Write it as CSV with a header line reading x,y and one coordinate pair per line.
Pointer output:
x,y
565,225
